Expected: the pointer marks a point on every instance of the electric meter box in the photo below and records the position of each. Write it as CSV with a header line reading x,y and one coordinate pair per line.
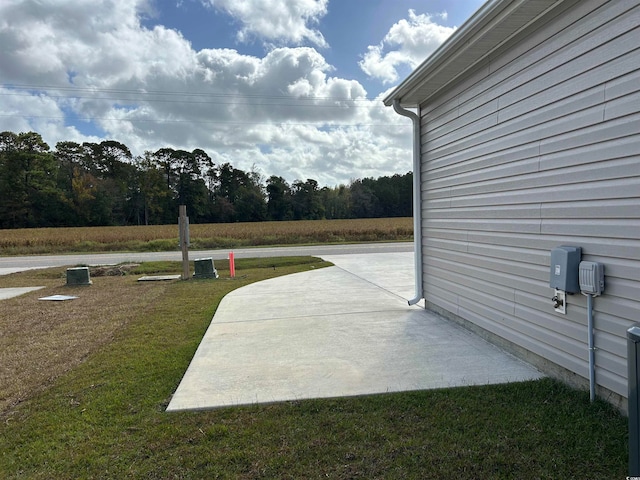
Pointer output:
x,y
591,276
565,262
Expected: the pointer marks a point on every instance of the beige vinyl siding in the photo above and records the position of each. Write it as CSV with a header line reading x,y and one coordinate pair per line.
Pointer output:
x,y
539,147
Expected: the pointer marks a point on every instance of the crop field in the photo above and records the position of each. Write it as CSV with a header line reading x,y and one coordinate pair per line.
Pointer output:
x,y
206,236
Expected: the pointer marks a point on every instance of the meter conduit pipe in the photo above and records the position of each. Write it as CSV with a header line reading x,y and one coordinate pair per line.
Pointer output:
x,y
417,201
592,350
591,280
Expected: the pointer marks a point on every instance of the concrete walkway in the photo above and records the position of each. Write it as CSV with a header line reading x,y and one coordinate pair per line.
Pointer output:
x,y
333,332
11,292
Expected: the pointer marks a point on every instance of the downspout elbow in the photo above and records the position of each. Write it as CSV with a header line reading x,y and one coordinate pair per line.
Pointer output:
x,y
417,202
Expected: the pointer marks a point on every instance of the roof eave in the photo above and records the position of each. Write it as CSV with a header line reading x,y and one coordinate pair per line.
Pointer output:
x,y
492,25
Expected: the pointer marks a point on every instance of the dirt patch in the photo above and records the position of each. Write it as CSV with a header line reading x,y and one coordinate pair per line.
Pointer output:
x,y
39,341
112,270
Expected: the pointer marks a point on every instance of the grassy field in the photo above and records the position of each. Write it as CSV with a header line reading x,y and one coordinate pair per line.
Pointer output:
x,y
99,411
208,236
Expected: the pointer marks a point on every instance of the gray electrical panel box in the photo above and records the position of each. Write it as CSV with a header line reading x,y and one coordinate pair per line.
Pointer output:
x,y
565,261
591,275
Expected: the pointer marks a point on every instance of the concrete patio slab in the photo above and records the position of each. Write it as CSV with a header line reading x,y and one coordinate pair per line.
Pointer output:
x,y
393,272
340,331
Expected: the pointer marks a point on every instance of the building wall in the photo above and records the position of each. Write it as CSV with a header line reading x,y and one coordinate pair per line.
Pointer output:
x,y
539,147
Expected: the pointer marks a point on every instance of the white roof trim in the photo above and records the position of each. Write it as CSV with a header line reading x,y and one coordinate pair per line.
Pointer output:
x,y
492,25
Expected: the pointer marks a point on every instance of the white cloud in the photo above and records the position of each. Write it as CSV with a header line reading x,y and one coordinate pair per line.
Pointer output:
x,y
277,21
23,112
53,39
408,42
147,88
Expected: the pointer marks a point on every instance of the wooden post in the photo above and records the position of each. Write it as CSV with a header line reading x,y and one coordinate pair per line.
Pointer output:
x,y
183,224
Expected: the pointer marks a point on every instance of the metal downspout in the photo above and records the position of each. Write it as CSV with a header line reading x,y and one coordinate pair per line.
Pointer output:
x,y
417,201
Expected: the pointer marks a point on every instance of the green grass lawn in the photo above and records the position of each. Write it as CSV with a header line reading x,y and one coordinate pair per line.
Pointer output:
x,y
105,418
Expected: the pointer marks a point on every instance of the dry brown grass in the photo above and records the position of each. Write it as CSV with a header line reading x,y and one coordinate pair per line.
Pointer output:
x,y
214,235
40,340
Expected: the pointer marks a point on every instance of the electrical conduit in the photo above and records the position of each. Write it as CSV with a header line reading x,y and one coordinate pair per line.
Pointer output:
x,y
592,350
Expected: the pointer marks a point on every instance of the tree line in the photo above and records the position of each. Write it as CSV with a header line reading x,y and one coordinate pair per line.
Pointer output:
x,y
98,184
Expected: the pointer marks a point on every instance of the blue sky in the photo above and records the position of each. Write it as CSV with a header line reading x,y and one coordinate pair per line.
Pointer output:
x,y
284,87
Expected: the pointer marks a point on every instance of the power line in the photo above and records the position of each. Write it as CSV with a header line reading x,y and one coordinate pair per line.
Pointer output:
x,y
196,98
220,122
202,102
143,93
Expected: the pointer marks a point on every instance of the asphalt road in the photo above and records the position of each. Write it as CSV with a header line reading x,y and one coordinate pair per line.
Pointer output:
x,y
42,261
